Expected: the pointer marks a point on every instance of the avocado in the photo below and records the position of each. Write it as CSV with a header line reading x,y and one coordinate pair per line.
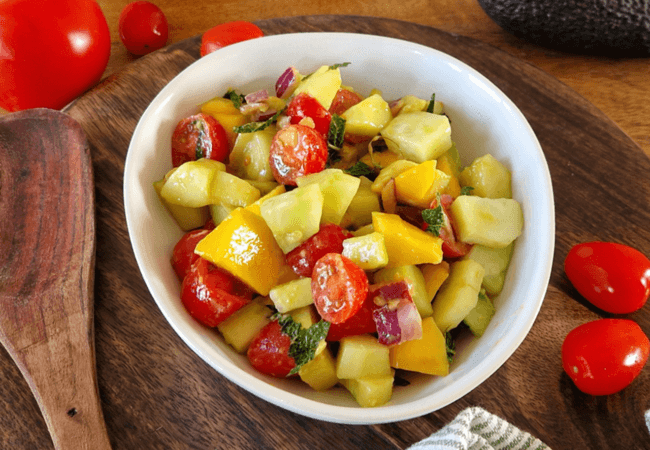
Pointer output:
x,y
615,28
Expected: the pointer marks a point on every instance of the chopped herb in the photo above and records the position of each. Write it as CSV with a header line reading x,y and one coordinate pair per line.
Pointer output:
x,y
336,66
257,126
360,169
432,103
304,342
451,347
237,99
336,132
466,190
434,218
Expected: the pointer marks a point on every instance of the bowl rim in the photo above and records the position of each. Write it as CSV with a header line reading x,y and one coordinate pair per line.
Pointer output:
x,y
313,408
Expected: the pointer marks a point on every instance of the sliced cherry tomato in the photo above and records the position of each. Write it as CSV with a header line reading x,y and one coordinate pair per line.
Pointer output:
x,y
296,151
143,27
183,255
199,136
360,323
304,105
339,287
207,294
613,277
451,246
269,351
604,356
228,33
343,100
329,239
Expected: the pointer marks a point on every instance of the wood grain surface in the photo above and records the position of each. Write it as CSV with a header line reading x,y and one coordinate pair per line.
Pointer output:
x,y
157,394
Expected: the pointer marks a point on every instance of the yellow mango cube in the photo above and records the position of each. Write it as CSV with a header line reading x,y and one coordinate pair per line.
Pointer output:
x,y
446,165
226,114
368,117
379,159
434,275
406,244
419,185
244,246
389,172
426,355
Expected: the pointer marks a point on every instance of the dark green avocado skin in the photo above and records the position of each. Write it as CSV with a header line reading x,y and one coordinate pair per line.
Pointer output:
x,y
614,28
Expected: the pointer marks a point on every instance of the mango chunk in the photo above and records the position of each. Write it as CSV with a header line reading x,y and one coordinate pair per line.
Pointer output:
x,y
320,372
244,245
426,355
389,172
434,275
418,136
371,392
368,117
224,110
419,185
405,243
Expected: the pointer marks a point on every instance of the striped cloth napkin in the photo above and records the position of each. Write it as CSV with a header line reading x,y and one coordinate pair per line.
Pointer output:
x,y
476,429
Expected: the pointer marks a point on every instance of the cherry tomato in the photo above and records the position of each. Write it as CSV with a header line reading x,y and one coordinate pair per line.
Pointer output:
x,y
360,323
207,295
604,356
296,151
304,105
343,100
339,287
51,51
613,277
451,246
228,33
183,255
329,239
143,27
199,136
269,351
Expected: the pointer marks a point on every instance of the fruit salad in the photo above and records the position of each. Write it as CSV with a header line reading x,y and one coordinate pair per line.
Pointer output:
x,y
334,236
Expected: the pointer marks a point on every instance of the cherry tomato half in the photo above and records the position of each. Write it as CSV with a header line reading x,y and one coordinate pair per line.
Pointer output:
x,y
451,246
304,105
51,51
207,293
339,287
199,136
296,151
343,100
328,239
613,277
228,33
183,255
269,351
143,27
604,356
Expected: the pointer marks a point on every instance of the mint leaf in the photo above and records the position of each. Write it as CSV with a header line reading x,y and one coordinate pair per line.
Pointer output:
x,y
435,219
257,126
235,98
432,103
360,169
451,347
336,132
336,66
466,190
304,342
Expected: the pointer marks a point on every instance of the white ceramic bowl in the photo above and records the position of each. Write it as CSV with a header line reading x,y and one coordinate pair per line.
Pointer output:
x,y
484,120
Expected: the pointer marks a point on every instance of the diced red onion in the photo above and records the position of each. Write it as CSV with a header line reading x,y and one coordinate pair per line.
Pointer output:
x,y
287,83
256,97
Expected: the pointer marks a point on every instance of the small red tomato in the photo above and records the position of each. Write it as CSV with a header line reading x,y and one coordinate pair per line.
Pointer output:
x,y
604,356
228,33
199,136
343,100
269,351
143,27
613,277
339,287
451,246
360,323
183,255
304,105
329,239
207,294
296,151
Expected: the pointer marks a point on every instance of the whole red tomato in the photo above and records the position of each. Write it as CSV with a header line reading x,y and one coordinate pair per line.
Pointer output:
x,y
228,33
51,51
604,356
613,277
143,27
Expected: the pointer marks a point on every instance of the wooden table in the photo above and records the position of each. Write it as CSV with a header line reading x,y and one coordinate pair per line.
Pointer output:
x,y
157,394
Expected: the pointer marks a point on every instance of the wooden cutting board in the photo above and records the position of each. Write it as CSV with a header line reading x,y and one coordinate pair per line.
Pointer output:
x,y
157,394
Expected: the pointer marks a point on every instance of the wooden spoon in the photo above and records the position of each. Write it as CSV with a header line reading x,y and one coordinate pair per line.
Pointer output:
x,y
47,261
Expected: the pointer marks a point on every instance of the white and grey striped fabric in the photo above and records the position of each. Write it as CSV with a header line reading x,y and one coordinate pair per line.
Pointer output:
x,y
476,429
